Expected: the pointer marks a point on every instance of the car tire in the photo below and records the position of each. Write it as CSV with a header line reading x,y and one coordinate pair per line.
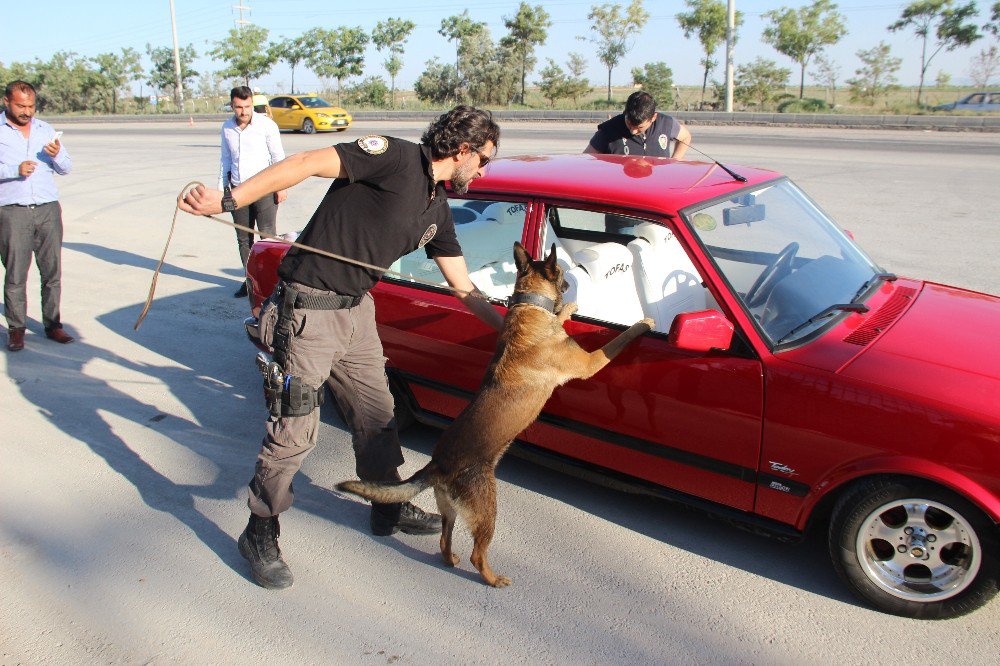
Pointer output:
x,y
914,549
308,127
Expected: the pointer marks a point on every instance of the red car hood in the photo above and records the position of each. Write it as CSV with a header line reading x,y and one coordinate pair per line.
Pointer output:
x,y
943,348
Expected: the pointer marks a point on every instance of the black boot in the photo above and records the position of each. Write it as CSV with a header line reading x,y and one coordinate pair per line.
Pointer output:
x,y
241,292
259,545
387,518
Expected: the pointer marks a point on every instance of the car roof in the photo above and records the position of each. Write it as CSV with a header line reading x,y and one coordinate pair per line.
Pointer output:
x,y
655,184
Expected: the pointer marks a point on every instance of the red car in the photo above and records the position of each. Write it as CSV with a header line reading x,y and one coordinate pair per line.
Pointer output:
x,y
790,382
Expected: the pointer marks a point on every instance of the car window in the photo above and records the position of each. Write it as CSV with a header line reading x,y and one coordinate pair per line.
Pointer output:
x,y
279,103
486,230
978,98
313,102
621,268
781,255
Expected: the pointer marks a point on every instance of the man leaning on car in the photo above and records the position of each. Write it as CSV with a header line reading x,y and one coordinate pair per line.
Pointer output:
x,y
387,199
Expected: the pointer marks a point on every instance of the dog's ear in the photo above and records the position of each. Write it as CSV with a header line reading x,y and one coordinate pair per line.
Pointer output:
x,y
521,258
550,261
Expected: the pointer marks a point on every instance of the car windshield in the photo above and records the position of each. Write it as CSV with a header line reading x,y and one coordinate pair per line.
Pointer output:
x,y
782,256
313,102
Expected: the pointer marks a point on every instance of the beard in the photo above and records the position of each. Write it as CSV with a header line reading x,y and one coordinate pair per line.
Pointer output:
x,y
463,176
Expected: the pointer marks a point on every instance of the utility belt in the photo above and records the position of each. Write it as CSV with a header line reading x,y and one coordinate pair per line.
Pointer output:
x,y
286,395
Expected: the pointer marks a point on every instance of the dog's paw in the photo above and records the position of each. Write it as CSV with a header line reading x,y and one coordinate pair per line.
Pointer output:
x,y
648,321
451,561
569,309
501,581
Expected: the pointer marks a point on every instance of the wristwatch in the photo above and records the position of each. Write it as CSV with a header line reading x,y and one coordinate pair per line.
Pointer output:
x,y
228,202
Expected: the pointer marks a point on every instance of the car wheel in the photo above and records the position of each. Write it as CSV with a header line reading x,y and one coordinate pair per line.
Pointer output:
x,y
308,127
914,549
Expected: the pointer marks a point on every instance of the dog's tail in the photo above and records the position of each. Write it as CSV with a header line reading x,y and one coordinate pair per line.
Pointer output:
x,y
391,492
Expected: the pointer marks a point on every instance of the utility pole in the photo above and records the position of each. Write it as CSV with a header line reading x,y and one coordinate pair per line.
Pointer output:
x,y
730,39
240,7
179,85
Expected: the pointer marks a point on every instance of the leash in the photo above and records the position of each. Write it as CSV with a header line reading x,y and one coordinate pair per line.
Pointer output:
x,y
308,248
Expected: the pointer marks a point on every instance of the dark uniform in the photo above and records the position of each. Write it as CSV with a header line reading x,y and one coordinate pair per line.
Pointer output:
x,y
388,206
613,137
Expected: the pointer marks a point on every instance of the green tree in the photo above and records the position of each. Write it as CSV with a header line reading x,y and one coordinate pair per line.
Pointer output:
x,y
371,92
293,50
117,72
489,71
658,80
707,19
391,35
984,67
759,81
614,32
802,33
457,28
528,29
339,54
827,73
246,53
993,26
950,25
577,84
162,76
437,84
943,79
876,76
553,84
66,83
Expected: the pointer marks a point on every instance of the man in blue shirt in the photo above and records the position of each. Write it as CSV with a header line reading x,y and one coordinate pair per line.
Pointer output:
x,y
30,215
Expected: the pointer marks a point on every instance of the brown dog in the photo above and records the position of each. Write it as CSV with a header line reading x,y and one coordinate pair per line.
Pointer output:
x,y
534,356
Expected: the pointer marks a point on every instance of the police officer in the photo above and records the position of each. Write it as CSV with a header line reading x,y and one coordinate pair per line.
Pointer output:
x,y
641,131
386,200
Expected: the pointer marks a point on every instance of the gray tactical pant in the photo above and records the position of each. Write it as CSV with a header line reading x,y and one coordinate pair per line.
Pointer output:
x,y
27,230
341,348
264,214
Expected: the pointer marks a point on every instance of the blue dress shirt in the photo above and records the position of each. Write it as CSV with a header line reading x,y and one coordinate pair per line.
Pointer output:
x,y
40,186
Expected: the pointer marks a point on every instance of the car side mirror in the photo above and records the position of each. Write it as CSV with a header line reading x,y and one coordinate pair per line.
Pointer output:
x,y
295,107
701,331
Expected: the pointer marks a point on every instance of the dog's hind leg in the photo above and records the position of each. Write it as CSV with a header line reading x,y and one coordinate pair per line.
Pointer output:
x,y
448,517
481,515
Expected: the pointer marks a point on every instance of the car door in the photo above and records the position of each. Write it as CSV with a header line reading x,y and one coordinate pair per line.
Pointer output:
x,y
279,112
690,421
432,341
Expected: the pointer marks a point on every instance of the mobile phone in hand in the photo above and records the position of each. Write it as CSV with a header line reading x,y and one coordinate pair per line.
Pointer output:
x,y
56,137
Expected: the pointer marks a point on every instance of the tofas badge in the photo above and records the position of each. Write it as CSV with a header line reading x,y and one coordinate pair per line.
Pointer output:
x,y
373,144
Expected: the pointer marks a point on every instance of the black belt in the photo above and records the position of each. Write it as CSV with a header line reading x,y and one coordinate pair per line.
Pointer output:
x,y
28,205
328,301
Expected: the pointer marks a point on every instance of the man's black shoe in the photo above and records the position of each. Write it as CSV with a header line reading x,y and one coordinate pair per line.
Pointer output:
x,y
241,292
259,545
388,518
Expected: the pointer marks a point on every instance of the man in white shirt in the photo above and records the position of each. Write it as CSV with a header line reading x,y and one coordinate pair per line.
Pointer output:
x,y
250,143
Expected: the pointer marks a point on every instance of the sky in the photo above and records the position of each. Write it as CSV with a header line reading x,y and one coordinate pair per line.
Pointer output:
x,y
89,27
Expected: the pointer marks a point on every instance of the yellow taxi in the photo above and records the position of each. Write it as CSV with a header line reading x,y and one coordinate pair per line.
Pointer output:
x,y
308,113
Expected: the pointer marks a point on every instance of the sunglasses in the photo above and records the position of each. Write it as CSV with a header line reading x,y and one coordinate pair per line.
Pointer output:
x,y
483,159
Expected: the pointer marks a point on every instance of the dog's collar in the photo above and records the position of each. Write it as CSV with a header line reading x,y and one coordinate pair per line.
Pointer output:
x,y
530,298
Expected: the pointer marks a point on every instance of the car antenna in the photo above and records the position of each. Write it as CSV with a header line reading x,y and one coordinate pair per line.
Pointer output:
x,y
722,166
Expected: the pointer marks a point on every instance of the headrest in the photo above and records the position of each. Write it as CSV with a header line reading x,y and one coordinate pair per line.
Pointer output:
x,y
605,260
505,212
656,234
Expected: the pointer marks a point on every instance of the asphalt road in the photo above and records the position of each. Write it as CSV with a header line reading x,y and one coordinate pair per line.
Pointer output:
x,y
125,455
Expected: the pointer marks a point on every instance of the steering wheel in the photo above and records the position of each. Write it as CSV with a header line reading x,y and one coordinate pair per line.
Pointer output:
x,y
771,275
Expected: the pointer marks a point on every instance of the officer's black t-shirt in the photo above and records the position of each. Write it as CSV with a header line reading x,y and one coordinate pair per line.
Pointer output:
x,y
382,211
614,138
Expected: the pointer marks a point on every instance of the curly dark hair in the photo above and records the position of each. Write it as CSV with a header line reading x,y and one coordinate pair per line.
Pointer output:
x,y
463,124
639,107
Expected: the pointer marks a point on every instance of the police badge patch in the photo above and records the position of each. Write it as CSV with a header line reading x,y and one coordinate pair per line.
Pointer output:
x,y
663,141
428,235
373,144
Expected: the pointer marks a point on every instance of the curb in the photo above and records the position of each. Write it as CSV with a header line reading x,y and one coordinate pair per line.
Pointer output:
x,y
984,123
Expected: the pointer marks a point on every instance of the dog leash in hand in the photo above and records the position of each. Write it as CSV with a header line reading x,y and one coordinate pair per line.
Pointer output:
x,y
302,246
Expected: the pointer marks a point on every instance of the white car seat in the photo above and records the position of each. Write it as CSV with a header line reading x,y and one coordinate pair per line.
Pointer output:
x,y
666,280
602,284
